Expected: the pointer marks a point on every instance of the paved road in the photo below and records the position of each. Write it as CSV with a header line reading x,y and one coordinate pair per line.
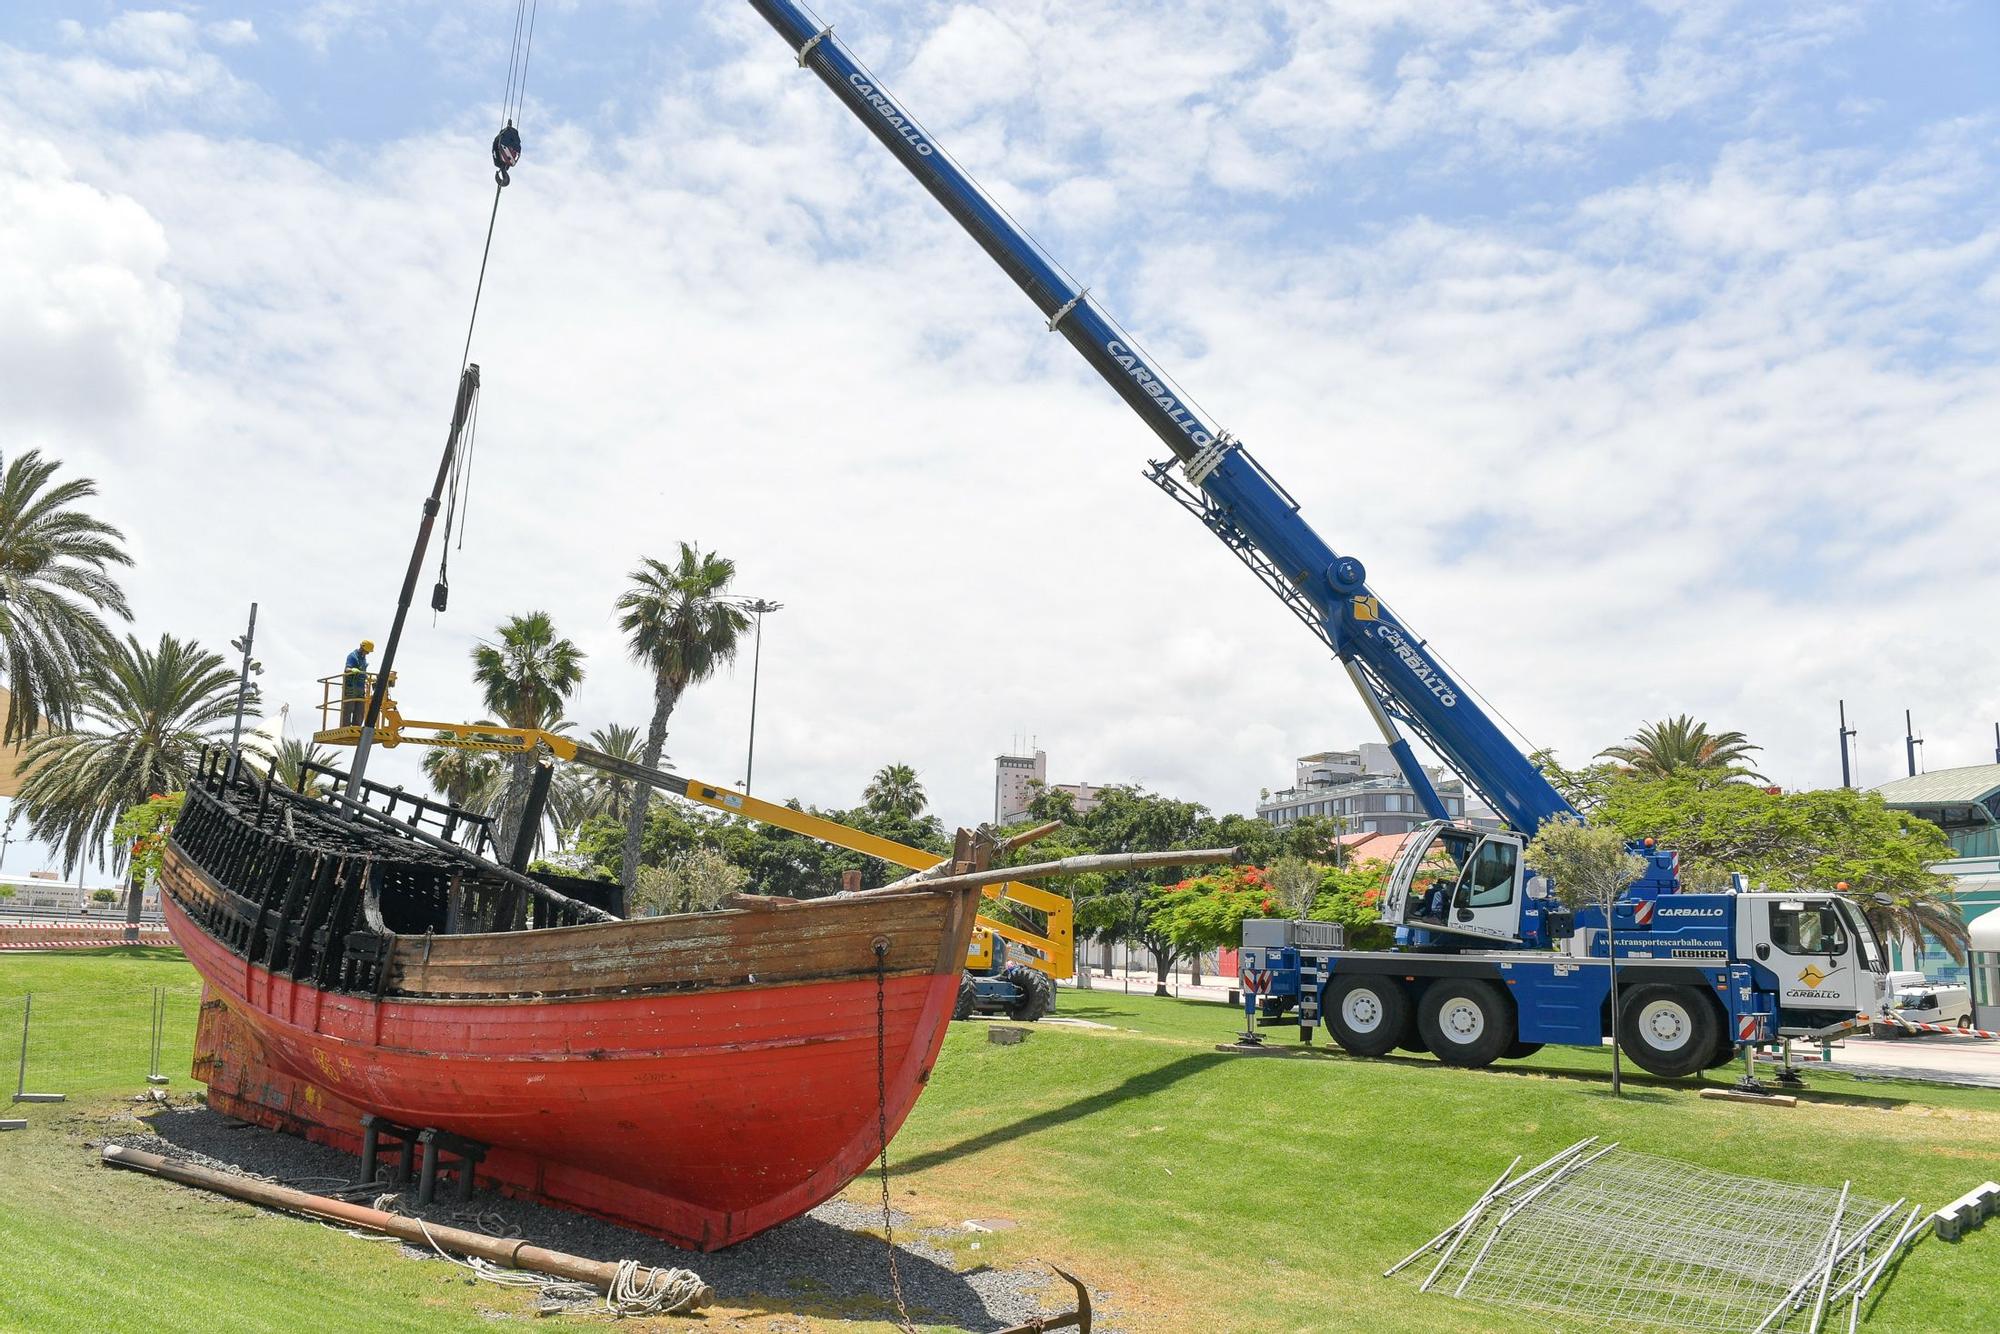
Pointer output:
x,y
1936,1056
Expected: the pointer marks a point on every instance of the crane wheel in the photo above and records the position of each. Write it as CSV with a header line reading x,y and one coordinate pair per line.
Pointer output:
x,y
1725,1053
1669,1031
1520,1051
1037,993
1466,1022
968,998
1368,1015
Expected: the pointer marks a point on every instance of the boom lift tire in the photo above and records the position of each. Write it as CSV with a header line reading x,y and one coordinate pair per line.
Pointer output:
x,y
1038,994
1368,1015
968,997
1669,1031
1466,1022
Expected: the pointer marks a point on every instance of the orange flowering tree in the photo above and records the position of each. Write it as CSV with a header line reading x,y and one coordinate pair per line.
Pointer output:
x,y
1206,912
143,829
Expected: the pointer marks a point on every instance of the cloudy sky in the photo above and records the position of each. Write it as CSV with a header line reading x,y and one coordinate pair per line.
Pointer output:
x,y
1645,353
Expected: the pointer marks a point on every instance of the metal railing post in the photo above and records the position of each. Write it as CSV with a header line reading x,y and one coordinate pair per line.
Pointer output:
x,y
21,1093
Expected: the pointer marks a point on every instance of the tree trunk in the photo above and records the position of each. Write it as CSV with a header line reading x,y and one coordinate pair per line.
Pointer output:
x,y
1611,950
1162,961
1194,969
664,699
514,802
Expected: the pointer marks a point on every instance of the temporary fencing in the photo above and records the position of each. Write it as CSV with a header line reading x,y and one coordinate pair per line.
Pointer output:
x,y
66,1044
1606,1237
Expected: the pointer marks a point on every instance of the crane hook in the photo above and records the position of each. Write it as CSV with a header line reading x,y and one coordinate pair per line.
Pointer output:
x,y
506,152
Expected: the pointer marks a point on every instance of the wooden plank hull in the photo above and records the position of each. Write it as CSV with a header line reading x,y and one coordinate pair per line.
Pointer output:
x,y
700,1078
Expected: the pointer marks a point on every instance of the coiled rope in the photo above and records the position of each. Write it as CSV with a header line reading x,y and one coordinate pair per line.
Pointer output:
x,y
664,1292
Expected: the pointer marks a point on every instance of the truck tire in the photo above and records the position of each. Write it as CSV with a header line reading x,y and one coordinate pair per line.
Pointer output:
x,y
1669,1031
968,997
1520,1051
1466,1022
1038,994
1367,1015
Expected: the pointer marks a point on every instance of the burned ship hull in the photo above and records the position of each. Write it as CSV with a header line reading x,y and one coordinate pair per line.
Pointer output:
x,y
701,1077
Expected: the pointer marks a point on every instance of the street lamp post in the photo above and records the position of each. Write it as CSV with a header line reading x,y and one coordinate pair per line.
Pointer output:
x,y
756,608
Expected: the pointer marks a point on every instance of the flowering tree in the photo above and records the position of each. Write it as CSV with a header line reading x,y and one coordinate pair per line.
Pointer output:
x,y
143,829
1207,912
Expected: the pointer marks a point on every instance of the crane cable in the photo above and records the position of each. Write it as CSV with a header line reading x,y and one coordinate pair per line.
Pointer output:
x,y
506,154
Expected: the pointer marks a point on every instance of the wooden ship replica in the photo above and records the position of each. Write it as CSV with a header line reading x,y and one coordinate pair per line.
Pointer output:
x,y
700,1076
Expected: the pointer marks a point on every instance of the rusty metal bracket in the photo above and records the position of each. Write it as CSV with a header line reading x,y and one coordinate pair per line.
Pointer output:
x,y
1079,1319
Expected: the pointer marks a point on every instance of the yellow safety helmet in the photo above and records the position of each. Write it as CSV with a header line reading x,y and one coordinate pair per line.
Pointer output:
x,y
367,646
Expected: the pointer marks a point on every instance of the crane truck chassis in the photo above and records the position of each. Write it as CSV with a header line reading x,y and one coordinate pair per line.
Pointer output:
x,y
1699,975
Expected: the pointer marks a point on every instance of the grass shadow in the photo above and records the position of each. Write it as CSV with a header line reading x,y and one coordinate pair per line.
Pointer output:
x,y
1137,1086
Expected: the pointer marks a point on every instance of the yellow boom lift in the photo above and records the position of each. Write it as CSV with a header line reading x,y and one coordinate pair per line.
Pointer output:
x,y
1050,952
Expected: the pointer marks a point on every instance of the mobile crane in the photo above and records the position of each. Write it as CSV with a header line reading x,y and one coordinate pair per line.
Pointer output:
x,y
1488,963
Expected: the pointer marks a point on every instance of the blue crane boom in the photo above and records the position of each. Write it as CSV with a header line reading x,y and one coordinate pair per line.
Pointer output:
x,y
1219,481
1489,965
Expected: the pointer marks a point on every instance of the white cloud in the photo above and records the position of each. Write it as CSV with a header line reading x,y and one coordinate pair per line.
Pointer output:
x,y
232,32
138,61
1717,439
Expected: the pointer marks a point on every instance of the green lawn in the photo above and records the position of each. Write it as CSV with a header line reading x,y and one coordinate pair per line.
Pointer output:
x,y
1201,1191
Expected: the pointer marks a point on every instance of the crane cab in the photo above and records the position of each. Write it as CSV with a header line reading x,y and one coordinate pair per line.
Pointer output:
x,y
1456,880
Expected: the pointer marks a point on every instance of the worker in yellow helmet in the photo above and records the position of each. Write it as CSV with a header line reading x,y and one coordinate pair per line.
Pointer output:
x,y
354,685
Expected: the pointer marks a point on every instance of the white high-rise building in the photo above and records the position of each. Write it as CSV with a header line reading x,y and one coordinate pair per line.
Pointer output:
x,y
1016,780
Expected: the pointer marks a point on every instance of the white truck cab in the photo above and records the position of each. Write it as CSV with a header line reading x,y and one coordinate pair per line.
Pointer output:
x,y
1819,947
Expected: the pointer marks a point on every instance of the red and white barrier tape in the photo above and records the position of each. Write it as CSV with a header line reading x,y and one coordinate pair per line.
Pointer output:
x,y
25,936
1914,1027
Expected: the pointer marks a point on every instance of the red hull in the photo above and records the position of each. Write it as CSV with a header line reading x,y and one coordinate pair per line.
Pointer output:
x,y
701,1116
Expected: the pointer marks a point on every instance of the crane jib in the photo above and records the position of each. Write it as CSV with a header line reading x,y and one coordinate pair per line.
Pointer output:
x,y
1238,501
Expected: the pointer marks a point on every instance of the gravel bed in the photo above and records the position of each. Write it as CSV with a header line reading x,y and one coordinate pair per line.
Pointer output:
x,y
825,1265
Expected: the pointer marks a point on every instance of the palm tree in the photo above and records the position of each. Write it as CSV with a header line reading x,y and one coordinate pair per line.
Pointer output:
x,y
54,582
291,760
608,794
894,790
143,716
676,623
466,779
1911,917
526,678
1663,748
